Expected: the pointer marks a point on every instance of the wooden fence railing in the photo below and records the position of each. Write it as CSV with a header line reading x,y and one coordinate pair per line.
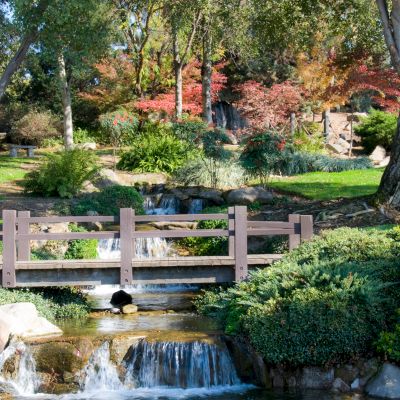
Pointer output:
x,y
17,236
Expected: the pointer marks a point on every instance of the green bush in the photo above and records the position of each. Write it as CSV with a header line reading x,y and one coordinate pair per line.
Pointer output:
x,y
377,129
109,200
81,249
51,303
389,343
324,303
63,174
309,138
156,151
188,130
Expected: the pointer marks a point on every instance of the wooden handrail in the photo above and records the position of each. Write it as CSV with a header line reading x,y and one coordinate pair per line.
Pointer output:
x,y
16,236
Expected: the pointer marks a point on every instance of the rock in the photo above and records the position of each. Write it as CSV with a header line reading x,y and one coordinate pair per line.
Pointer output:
x,y
88,187
385,162
4,334
335,148
129,309
120,346
340,386
378,155
232,138
56,247
347,373
198,192
174,225
87,146
120,299
386,383
249,195
344,143
23,320
115,310
355,385
317,378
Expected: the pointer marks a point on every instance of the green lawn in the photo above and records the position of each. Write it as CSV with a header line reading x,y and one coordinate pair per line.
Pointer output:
x,y
10,168
331,185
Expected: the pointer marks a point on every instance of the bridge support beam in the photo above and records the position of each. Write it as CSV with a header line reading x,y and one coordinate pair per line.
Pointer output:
x,y
241,267
9,248
127,221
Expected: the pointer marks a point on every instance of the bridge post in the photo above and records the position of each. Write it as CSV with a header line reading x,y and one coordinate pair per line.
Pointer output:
x,y
24,251
295,240
126,221
9,249
231,229
241,268
306,226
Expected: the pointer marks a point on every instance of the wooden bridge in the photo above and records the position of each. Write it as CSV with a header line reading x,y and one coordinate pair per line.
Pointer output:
x,y
18,270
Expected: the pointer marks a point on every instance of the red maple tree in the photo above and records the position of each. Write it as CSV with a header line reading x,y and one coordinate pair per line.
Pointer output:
x,y
268,107
192,92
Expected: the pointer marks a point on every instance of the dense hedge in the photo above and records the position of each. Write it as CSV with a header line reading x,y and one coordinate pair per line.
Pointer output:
x,y
52,303
325,302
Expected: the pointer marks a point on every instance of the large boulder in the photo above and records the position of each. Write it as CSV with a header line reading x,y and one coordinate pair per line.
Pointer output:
x,y
386,383
214,196
24,321
317,378
4,334
249,195
120,299
378,155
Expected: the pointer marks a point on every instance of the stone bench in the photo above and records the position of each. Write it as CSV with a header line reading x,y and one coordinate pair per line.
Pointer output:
x,y
30,150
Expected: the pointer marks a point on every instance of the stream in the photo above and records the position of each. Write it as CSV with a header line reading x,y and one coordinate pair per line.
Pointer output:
x,y
172,353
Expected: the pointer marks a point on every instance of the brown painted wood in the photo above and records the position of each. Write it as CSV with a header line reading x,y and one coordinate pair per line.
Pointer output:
x,y
241,269
181,233
70,235
9,249
24,250
270,231
306,222
127,216
270,224
294,239
55,219
231,229
180,217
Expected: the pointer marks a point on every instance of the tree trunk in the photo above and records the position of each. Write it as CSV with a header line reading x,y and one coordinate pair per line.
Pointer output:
x,y
389,188
16,61
206,78
178,75
326,118
66,103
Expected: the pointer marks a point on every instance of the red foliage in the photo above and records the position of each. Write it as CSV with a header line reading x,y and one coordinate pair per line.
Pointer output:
x,y
191,92
268,107
385,82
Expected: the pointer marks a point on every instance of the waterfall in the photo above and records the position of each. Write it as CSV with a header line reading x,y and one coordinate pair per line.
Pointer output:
x,y
26,381
180,365
227,116
196,206
100,373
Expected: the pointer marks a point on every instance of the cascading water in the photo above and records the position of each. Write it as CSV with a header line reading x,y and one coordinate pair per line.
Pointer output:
x,y
26,381
196,206
180,365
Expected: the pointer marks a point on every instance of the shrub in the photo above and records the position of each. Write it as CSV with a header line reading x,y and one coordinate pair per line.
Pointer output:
x,y
81,249
263,154
34,127
51,303
119,127
109,200
377,129
388,343
323,303
63,174
189,130
156,152
309,138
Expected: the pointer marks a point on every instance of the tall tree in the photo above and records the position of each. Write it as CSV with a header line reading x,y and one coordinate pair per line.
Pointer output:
x,y
28,16
389,188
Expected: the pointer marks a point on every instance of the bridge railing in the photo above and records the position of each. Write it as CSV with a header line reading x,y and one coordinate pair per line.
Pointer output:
x,y
17,235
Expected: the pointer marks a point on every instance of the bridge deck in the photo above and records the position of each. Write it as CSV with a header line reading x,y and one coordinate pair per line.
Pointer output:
x,y
171,270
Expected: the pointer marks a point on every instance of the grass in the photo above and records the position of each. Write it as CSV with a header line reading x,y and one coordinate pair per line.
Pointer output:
x,y
330,185
10,168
